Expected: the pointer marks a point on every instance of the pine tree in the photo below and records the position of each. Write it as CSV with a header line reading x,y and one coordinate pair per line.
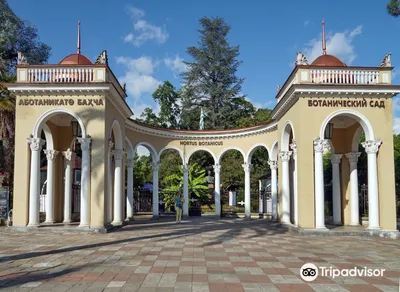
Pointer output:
x,y
211,80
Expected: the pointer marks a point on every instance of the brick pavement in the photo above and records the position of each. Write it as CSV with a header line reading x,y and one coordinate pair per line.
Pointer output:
x,y
198,255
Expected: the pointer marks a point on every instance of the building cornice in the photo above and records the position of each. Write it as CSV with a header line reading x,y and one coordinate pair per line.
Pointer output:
x,y
200,135
338,91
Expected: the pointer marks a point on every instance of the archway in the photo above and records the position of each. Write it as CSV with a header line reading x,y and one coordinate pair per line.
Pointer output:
x,y
354,185
55,129
288,155
260,179
204,182
235,183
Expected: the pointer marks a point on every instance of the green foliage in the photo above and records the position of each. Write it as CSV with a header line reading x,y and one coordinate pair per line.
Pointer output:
x,y
167,98
197,184
142,171
211,80
17,35
393,7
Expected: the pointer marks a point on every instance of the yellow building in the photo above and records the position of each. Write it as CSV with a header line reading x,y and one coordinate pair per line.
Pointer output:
x,y
323,105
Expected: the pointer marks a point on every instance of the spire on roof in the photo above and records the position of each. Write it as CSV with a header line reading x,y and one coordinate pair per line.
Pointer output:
x,y
78,51
323,38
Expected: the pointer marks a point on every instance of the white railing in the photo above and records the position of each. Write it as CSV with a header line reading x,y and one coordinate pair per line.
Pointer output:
x,y
340,76
60,75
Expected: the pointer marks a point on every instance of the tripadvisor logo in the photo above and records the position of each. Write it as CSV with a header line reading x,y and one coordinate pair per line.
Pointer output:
x,y
309,272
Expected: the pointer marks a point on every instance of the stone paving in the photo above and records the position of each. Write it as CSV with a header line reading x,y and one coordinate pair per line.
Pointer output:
x,y
201,254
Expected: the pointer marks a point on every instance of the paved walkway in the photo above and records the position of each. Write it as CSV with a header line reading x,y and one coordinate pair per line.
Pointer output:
x,y
197,255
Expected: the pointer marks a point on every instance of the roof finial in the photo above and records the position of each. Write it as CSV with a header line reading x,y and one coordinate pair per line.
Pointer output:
x,y
79,38
323,38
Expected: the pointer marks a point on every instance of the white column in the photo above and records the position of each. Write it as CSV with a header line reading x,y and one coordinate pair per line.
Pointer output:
x,y
247,199
293,146
217,189
68,157
285,156
85,182
129,198
260,199
336,200
118,156
371,147
319,147
51,156
109,183
36,145
185,210
156,167
274,188
354,201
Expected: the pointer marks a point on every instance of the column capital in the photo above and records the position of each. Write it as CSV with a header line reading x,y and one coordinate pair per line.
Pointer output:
x,y
372,146
293,146
247,167
185,167
118,154
68,155
321,145
110,144
155,166
353,156
217,168
36,143
273,164
285,155
85,143
51,154
335,158
130,162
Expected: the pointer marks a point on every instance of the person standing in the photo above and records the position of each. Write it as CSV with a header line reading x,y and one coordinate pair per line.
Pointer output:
x,y
178,207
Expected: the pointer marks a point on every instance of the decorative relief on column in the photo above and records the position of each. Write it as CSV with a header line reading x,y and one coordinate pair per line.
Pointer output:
x,y
285,155
321,145
51,154
85,143
130,162
217,168
353,156
247,167
335,158
118,154
372,146
293,146
36,143
273,164
155,166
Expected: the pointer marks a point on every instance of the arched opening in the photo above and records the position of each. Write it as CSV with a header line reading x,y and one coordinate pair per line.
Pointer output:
x,y
170,178
232,179
204,196
346,170
56,166
288,155
260,177
145,158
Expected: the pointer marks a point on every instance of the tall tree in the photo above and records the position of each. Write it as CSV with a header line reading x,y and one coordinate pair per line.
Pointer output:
x,y
393,7
211,80
167,98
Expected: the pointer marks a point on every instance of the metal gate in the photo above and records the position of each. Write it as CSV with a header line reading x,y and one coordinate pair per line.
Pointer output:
x,y
143,200
233,205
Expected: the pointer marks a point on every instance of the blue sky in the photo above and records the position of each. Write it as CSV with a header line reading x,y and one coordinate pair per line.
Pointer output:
x,y
147,40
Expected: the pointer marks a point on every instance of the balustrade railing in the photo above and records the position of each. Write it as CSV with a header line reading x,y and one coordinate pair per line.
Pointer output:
x,y
339,76
60,75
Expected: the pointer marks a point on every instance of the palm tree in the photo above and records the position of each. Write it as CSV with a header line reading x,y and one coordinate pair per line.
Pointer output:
x,y
7,127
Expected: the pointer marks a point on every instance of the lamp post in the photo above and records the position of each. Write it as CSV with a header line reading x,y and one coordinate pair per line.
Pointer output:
x,y
76,131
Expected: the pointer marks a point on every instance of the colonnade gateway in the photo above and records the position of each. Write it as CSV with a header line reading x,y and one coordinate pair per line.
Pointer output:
x,y
75,113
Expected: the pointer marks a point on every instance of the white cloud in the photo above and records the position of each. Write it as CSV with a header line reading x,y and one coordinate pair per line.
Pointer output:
x,y
396,126
306,23
258,105
176,65
144,31
138,77
142,151
339,44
